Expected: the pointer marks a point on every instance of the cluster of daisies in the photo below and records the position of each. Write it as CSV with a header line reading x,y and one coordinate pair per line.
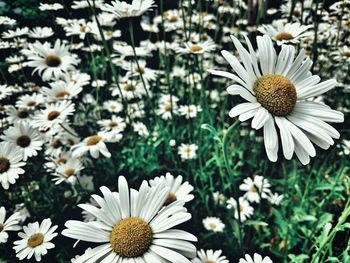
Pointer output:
x,y
256,190
73,100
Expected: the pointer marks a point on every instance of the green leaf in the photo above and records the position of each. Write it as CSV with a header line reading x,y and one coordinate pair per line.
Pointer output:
x,y
255,223
212,130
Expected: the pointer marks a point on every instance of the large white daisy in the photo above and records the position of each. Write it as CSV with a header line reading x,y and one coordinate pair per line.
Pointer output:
x,y
278,89
133,226
51,62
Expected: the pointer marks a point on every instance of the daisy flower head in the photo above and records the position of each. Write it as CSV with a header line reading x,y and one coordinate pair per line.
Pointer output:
x,y
94,144
121,9
187,151
277,90
53,6
209,256
68,171
35,240
285,33
255,188
51,62
10,164
179,190
245,210
275,198
189,111
61,90
10,224
255,259
27,140
52,116
41,32
213,224
5,91
197,48
133,226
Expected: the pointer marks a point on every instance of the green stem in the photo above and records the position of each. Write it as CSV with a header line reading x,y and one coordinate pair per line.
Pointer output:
x,y
225,148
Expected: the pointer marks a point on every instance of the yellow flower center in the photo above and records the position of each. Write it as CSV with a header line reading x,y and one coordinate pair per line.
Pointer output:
x,y
131,237
4,164
209,261
212,226
69,172
62,94
129,87
196,48
35,240
275,93
53,115
284,36
31,103
53,61
346,53
93,140
23,141
2,227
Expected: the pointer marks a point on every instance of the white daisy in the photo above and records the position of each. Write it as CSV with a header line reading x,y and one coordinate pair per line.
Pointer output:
x,y
10,224
219,198
122,9
197,48
255,188
52,116
41,32
5,91
35,240
94,144
275,198
114,123
285,33
53,6
245,210
68,171
50,62
256,259
179,190
27,139
213,224
209,256
277,92
189,111
10,164
141,129
133,226
30,101
61,90
187,151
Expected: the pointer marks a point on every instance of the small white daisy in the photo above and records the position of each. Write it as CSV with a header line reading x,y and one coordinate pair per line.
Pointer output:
x,y
245,210
187,151
35,240
122,9
256,259
10,224
255,188
189,111
209,256
27,139
94,144
213,224
10,164
179,190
